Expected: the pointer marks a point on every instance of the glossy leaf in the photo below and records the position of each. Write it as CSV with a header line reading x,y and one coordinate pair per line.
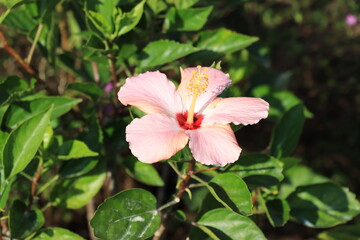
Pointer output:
x,y
232,192
182,4
277,210
287,133
77,167
164,51
3,139
258,170
351,232
224,41
143,172
23,143
5,191
48,137
156,5
21,111
74,193
225,224
13,87
323,205
10,3
99,24
22,221
19,19
129,20
88,89
130,214
56,233
75,149
280,101
191,19
3,110
299,176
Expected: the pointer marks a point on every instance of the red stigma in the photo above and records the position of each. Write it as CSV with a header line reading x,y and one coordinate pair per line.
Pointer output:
x,y
182,117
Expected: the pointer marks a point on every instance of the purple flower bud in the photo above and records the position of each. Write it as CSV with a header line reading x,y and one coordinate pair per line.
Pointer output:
x,y
351,19
108,87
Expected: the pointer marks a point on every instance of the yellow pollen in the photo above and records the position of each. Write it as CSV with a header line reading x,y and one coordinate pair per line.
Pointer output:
x,y
198,84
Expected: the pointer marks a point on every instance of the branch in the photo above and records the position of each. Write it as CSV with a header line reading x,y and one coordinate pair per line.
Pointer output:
x,y
4,44
184,183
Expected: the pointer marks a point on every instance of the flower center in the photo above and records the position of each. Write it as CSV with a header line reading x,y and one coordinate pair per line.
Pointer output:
x,y
198,83
181,117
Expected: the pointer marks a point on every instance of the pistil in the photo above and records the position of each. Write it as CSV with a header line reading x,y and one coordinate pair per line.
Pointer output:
x,y
197,86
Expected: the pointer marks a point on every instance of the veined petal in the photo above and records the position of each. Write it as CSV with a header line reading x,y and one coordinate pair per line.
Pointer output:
x,y
155,137
238,110
217,82
214,144
151,92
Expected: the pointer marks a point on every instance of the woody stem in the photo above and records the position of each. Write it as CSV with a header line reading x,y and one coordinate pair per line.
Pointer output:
x,y
185,181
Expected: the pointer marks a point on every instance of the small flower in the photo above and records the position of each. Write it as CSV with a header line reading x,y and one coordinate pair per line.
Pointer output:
x,y
108,87
351,19
193,113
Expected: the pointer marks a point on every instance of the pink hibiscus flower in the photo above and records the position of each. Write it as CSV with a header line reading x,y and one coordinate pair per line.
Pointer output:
x,y
190,113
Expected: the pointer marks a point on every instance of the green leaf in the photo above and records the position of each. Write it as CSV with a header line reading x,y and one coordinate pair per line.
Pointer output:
x,y
75,149
156,5
99,24
277,210
24,110
103,7
299,176
225,224
323,205
280,101
10,3
3,139
287,132
13,88
224,41
74,193
129,20
24,222
51,30
77,167
164,51
5,191
191,19
258,170
130,214
19,19
232,192
240,65
182,4
143,172
3,110
48,137
88,89
56,233
351,232
23,143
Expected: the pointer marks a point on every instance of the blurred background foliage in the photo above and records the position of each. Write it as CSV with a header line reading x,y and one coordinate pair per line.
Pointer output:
x,y
306,50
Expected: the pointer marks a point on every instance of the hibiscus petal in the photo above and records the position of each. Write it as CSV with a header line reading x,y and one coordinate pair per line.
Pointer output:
x,y
214,144
218,81
151,92
238,110
155,137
